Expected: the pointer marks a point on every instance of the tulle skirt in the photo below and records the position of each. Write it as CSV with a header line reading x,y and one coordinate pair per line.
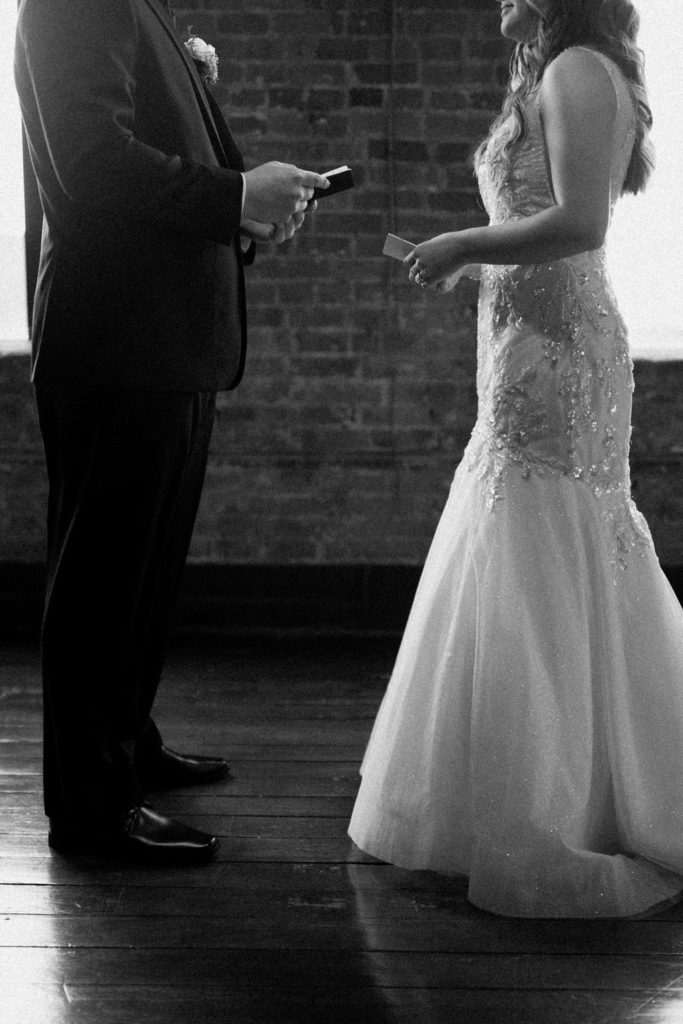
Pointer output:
x,y
531,736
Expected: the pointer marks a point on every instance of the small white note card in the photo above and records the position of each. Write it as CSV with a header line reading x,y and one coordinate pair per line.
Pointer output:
x,y
397,248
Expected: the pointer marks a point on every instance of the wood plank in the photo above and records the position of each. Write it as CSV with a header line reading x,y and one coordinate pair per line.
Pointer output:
x,y
313,969
48,869
267,709
375,892
298,736
26,787
292,778
259,750
25,861
297,924
248,729
358,1003
32,822
180,901
327,889
19,729
247,927
239,698
295,877
191,801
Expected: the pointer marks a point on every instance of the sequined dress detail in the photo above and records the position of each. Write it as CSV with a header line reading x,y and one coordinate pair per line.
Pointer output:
x,y
531,736
554,372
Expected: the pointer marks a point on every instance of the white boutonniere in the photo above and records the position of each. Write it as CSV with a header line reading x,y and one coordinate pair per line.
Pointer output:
x,y
205,57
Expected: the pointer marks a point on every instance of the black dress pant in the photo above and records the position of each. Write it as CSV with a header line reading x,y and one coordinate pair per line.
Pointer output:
x,y
125,472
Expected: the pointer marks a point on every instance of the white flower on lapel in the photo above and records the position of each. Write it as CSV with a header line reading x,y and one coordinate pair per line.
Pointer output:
x,y
205,57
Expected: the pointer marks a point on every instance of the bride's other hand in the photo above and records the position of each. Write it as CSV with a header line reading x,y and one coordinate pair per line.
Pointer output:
x,y
436,261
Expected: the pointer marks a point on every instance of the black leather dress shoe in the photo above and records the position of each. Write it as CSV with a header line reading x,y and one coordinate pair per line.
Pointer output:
x,y
169,770
142,834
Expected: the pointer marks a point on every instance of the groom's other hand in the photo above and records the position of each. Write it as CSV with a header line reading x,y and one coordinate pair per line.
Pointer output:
x,y
275,192
283,232
275,234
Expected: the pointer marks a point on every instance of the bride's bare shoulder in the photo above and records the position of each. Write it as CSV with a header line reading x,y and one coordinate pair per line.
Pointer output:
x,y
578,64
578,76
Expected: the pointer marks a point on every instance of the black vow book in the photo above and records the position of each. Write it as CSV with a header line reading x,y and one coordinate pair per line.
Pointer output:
x,y
340,179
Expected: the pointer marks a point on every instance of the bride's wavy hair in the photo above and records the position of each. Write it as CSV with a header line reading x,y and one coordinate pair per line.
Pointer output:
x,y
610,26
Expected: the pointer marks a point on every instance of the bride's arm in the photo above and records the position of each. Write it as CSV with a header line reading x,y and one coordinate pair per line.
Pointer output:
x,y
578,108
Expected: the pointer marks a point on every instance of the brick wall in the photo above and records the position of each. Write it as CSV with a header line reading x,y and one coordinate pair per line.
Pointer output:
x,y
359,394
359,391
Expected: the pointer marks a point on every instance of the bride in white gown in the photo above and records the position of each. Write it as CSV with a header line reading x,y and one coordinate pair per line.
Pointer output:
x,y
531,736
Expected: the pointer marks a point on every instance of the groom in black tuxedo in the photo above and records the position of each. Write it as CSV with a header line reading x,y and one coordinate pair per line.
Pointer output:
x,y
139,319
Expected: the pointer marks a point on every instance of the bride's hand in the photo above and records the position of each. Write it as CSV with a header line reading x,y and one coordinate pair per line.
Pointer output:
x,y
471,270
435,264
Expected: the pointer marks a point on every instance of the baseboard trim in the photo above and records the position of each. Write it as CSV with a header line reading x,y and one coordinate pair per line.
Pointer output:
x,y
244,599
241,599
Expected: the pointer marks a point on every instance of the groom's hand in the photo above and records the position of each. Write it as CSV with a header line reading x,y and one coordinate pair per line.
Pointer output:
x,y
275,192
275,234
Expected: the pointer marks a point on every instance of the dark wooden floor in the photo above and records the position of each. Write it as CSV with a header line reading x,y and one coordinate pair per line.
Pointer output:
x,y
291,924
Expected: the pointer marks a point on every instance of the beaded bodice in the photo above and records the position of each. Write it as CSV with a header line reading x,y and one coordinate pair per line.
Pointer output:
x,y
554,376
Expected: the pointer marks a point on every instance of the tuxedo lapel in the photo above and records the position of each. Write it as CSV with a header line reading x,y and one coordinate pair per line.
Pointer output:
x,y
198,84
230,147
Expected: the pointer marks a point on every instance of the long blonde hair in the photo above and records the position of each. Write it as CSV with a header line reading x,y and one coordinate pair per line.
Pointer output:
x,y
610,26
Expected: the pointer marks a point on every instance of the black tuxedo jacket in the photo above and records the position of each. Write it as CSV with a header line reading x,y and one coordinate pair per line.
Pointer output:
x,y
140,282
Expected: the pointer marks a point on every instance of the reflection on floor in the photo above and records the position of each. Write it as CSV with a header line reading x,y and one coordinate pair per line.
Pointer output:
x,y
291,923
